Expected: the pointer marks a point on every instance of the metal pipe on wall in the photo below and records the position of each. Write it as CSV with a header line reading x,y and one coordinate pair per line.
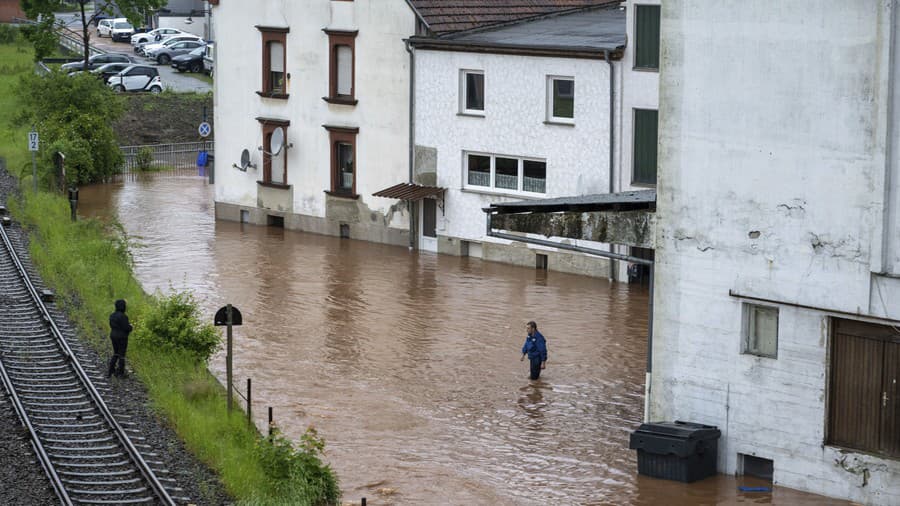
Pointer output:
x,y
612,110
413,214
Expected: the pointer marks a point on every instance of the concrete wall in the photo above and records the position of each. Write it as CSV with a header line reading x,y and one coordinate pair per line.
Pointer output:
x,y
773,128
513,124
382,113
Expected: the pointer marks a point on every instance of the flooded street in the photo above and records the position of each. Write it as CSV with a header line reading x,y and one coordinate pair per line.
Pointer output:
x,y
408,363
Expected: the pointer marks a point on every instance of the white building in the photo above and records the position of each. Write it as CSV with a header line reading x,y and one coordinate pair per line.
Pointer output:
x,y
636,146
777,297
332,79
522,111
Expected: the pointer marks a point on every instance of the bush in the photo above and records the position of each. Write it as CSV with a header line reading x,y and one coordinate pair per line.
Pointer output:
x,y
298,472
173,322
144,158
8,34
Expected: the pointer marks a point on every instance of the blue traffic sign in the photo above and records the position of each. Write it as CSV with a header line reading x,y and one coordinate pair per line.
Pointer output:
x,y
204,129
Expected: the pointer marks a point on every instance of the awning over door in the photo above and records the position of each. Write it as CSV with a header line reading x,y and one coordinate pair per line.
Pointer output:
x,y
410,191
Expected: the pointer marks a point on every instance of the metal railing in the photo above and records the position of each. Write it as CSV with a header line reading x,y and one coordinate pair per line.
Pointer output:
x,y
68,38
167,159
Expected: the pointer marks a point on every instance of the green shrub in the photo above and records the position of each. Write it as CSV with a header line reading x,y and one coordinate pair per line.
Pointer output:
x,y
173,322
144,158
8,34
298,471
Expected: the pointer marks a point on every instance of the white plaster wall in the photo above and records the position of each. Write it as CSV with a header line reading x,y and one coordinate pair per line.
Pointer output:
x,y
513,124
640,90
381,85
771,120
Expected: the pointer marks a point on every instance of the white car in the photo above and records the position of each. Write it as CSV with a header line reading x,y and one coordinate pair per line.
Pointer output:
x,y
104,27
146,49
136,78
156,35
121,30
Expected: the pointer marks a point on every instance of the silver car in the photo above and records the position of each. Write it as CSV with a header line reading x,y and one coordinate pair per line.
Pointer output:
x,y
164,54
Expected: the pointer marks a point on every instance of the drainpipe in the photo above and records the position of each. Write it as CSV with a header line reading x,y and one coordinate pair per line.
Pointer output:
x,y
413,214
890,198
612,110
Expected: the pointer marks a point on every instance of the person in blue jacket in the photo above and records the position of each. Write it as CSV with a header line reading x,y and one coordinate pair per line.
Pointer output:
x,y
535,348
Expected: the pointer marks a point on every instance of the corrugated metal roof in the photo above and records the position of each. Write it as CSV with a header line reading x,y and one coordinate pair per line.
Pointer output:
x,y
409,191
446,16
623,201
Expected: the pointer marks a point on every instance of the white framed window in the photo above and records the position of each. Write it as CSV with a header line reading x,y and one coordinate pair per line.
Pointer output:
x,y
560,99
760,330
504,174
471,92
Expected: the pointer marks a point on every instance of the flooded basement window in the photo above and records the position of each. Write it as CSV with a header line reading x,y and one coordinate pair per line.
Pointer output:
x,y
245,216
757,466
275,221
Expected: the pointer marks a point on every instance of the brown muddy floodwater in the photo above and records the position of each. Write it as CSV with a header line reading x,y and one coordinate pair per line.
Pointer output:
x,y
408,363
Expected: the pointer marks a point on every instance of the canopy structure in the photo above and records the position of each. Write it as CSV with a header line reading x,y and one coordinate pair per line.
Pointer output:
x,y
411,191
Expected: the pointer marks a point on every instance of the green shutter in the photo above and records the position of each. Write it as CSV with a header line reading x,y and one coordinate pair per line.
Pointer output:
x,y
646,131
646,34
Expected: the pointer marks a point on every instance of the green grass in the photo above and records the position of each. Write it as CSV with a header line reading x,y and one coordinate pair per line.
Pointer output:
x,y
88,264
200,76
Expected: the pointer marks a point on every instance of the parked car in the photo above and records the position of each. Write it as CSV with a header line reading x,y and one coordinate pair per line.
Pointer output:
x,y
209,58
136,78
121,31
155,35
104,27
164,54
192,61
104,72
96,61
146,48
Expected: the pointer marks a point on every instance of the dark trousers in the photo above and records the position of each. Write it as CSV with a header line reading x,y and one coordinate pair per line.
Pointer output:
x,y
535,367
117,362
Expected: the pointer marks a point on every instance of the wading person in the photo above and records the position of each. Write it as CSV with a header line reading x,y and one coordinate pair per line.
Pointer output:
x,y
535,348
119,328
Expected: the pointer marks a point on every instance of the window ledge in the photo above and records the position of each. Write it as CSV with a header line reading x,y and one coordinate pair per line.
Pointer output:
x,y
471,114
559,122
342,195
501,193
279,186
654,70
341,100
643,185
269,94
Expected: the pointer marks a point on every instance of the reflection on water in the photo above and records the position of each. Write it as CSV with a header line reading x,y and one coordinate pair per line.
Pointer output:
x,y
408,363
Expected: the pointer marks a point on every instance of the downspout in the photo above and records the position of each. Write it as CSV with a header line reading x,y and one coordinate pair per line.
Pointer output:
x,y
890,198
612,110
413,214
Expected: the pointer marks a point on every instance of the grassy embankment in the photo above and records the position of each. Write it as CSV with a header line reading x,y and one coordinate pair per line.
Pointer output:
x,y
88,265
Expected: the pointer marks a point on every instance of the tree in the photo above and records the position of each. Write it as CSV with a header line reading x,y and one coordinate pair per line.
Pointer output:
x,y
44,31
74,115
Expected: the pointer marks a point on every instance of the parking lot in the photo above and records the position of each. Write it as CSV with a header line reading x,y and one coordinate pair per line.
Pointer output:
x,y
171,78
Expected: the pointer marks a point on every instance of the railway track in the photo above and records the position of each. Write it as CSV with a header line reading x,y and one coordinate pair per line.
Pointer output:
x,y
87,454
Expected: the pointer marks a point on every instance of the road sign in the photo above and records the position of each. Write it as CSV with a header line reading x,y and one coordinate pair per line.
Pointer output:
x,y
204,129
221,317
33,141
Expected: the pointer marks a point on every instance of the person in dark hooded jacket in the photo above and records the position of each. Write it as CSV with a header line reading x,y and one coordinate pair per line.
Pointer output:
x,y
535,348
119,328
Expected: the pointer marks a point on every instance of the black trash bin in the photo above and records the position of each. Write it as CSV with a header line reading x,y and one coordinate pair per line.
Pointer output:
x,y
680,451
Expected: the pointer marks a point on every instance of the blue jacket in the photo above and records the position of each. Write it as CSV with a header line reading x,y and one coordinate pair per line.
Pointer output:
x,y
535,346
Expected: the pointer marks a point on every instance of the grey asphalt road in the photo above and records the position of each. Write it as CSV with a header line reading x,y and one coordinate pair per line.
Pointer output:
x,y
171,78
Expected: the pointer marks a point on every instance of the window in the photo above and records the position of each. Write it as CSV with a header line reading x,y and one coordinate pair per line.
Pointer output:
x,y
760,330
472,92
646,34
341,80
274,77
863,407
505,173
274,165
646,132
560,99
344,167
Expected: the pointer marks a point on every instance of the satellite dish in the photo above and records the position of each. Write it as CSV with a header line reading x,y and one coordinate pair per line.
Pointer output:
x,y
277,142
245,159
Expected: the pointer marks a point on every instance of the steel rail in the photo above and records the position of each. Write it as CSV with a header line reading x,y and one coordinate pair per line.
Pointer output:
x,y
43,458
139,462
